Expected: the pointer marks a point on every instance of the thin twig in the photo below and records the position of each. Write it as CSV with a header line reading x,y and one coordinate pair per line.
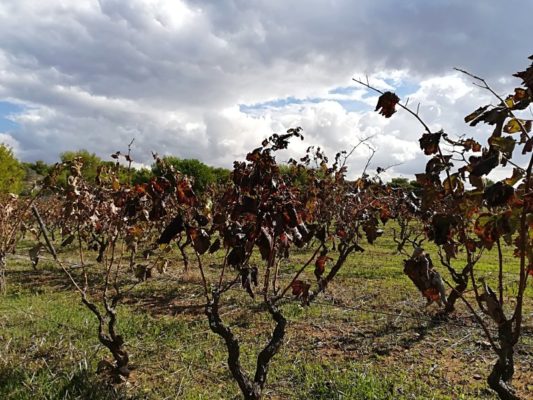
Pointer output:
x,y
477,317
399,104
298,273
486,86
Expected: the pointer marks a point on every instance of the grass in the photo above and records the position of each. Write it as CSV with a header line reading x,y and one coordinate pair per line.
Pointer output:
x,y
369,337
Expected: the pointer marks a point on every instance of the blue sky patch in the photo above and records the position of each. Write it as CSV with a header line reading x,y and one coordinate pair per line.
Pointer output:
x,y
272,104
257,108
7,109
343,90
403,89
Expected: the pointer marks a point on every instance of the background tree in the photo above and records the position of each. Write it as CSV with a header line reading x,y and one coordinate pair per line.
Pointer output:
x,y
33,173
89,161
298,175
203,175
39,167
406,184
11,171
141,176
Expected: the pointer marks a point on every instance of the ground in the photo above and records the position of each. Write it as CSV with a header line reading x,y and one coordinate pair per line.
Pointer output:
x,y
369,336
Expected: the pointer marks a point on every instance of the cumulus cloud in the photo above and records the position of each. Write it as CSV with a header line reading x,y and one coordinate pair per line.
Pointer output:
x,y
210,80
9,141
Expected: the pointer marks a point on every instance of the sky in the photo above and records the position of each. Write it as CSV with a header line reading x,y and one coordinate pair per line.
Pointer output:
x,y
211,79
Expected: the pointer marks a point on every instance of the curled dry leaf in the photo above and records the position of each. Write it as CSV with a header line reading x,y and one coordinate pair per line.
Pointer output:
x,y
215,246
429,142
175,227
300,289
249,277
498,194
526,76
484,165
387,104
419,269
472,116
265,244
200,239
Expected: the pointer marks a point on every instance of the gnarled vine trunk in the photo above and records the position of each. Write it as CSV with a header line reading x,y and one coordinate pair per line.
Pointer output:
x,y
503,370
251,388
184,254
456,294
110,339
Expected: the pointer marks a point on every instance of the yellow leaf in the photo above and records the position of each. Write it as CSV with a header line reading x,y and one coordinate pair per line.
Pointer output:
x,y
509,101
513,126
517,175
116,184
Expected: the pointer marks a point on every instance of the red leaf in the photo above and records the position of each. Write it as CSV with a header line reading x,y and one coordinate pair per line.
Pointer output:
x,y
320,266
185,193
341,233
472,145
200,239
300,288
384,214
432,294
156,188
140,189
236,256
284,239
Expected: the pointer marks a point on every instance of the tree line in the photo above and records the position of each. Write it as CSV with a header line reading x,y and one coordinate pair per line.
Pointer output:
x,y
19,177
